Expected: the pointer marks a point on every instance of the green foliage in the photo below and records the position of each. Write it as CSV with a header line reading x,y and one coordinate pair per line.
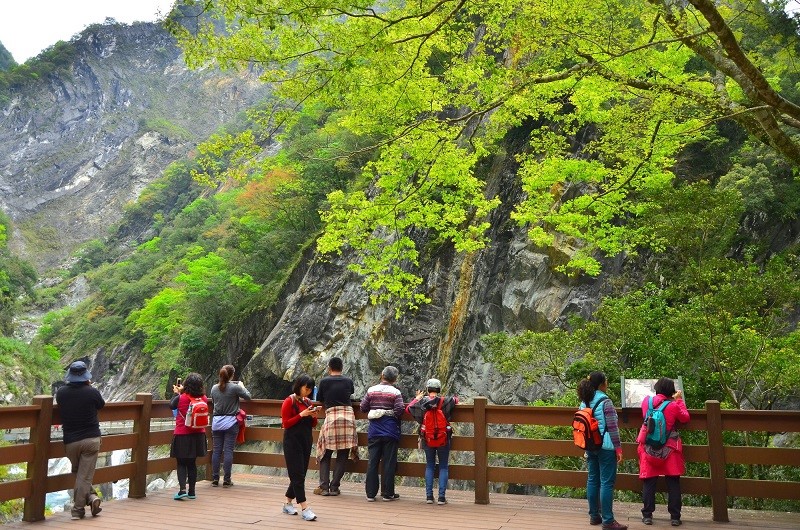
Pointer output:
x,y
6,59
166,128
55,60
36,367
616,94
212,259
725,321
17,278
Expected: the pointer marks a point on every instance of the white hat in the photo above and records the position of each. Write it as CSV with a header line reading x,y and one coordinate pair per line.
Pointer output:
x,y
434,384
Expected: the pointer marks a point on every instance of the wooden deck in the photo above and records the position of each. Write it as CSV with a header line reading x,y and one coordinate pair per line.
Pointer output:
x,y
255,502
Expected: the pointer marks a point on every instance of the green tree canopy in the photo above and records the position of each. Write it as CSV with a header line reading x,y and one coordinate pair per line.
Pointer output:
x,y
618,91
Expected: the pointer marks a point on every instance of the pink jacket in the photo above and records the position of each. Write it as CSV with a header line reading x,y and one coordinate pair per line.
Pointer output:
x,y
674,465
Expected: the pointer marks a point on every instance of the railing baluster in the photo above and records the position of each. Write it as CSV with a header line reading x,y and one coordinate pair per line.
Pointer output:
x,y
716,460
481,451
137,488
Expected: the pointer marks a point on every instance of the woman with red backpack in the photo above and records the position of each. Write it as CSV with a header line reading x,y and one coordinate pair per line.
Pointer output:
x,y
188,442
433,412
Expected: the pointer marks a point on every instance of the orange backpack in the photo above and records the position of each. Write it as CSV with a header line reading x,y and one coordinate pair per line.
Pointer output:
x,y
585,429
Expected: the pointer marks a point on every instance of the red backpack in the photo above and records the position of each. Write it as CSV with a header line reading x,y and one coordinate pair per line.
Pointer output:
x,y
197,413
435,427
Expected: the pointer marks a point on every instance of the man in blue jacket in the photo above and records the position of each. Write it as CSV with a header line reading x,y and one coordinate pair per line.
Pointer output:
x,y
384,406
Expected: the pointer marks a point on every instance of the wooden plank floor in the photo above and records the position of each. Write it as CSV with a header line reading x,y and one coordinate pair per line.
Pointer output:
x,y
255,502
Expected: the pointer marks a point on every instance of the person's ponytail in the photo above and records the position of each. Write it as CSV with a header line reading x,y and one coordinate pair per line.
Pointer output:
x,y
589,385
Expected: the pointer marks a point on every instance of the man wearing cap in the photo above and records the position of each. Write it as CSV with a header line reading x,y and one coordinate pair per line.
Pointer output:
x,y
78,403
425,401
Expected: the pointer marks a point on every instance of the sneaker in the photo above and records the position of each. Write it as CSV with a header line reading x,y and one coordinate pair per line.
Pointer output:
x,y
676,522
78,514
95,506
647,520
320,491
227,484
614,525
191,496
392,497
308,515
180,496
289,509
334,492
429,499
370,499
441,501
215,482
595,520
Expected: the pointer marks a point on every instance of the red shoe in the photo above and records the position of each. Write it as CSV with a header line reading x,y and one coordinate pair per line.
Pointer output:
x,y
614,525
596,520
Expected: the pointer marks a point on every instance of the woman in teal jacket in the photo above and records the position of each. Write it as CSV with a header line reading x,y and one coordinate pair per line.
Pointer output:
x,y
602,463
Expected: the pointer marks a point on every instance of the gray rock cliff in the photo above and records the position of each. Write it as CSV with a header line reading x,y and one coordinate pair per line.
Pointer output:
x,y
77,146
509,286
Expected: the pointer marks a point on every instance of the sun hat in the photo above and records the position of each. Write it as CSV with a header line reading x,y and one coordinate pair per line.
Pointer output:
x,y
433,384
78,373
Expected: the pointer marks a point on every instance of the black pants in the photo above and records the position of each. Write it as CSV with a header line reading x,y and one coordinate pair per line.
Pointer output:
x,y
342,455
674,503
187,468
381,449
297,452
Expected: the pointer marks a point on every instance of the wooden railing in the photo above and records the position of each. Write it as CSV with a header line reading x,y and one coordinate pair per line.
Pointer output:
x,y
475,418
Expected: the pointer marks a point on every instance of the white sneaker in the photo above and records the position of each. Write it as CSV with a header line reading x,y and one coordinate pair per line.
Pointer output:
x,y
308,515
289,509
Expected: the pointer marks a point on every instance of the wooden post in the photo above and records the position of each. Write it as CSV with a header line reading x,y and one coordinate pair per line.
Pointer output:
x,y
209,473
37,467
137,488
481,453
716,460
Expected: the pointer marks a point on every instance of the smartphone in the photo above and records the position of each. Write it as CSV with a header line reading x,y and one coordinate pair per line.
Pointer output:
x,y
178,381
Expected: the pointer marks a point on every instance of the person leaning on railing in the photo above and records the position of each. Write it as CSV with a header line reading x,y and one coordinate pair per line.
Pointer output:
x,y
224,426
78,403
424,402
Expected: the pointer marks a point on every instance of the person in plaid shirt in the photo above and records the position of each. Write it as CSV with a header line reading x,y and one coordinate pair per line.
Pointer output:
x,y
339,431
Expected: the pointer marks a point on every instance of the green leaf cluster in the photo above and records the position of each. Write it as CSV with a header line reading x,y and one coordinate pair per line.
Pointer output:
x,y
616,94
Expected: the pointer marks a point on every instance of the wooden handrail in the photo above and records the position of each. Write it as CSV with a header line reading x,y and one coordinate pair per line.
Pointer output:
x,y
473,424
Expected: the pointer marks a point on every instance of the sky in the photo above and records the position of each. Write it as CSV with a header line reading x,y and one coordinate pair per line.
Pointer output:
x,y
29,26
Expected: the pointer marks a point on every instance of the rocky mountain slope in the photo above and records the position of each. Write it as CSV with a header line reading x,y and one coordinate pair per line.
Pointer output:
x,y
77,146
74,149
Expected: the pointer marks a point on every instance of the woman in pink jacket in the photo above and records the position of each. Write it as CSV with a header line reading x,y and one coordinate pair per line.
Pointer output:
x,y
668,460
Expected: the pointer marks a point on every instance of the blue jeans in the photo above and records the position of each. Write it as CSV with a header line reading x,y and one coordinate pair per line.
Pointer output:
x,y
602,467
430,464
224,442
